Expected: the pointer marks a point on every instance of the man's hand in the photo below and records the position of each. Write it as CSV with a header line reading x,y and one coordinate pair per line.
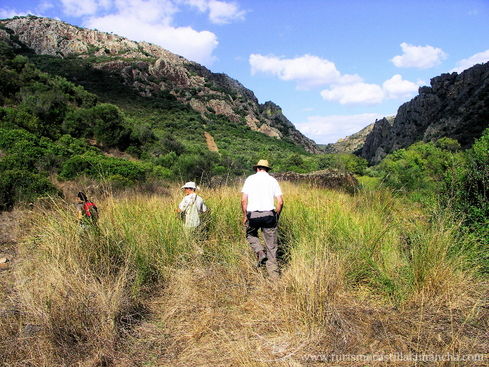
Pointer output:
x,y
280,204
245,220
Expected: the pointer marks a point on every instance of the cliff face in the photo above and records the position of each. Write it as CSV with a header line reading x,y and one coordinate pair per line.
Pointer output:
x,y
150,69
455,106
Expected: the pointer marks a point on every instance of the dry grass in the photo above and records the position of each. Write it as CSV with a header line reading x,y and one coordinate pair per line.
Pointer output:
x,y
364,274
213,317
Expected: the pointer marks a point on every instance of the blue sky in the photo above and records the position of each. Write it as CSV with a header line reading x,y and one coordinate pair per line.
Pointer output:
x,y
333,66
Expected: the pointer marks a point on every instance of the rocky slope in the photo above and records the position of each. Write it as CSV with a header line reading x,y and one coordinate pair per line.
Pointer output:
x,y
151,69
454,106
351,143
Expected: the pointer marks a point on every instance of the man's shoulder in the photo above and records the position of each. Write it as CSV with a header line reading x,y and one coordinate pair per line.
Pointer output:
x,y
273,179
250,178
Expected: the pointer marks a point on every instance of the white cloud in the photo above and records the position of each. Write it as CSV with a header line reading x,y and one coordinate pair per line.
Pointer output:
x,y
220,12
151,21
357,93
201,5
328,129
397,87
478,58
311,71
105,4
79,8
184,41
149,11
307,71
9,13
360,93
45,5
40,8
421,57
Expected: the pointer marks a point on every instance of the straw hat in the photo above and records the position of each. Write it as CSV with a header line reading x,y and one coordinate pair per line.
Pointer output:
x,y
190,185
262,163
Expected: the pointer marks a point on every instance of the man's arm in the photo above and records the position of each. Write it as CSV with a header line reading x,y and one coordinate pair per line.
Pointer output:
x,y
183,205
280,204
244,206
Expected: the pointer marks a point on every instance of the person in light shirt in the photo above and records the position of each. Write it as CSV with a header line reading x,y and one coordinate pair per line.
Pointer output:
x,y
261,203
191,206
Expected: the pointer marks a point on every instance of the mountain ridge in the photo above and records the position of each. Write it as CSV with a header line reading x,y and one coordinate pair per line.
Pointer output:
x,y
350,143
454,106
150,69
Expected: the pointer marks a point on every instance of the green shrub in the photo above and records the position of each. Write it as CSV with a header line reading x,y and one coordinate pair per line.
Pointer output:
x,y
19,185
47,104
470,187
98,166
195,166
104,122
421,168
8,137
28,152
14,118
118,182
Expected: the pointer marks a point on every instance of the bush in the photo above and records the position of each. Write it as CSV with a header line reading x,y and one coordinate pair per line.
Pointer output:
x,y
471,187
423,167
28,152
118,182
195,166
47,104
98,166
104,122
343,162
14,118
20,185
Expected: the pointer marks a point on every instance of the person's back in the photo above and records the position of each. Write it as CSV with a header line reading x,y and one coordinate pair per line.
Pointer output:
x,y
259,193
261,189
87,211
191,206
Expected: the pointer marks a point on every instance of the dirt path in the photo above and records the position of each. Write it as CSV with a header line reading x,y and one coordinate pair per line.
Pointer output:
x,y
8,256
211,144
8,240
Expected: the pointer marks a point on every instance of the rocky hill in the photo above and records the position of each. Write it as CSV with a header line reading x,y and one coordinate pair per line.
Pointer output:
x,y
351,143
454,106
150,69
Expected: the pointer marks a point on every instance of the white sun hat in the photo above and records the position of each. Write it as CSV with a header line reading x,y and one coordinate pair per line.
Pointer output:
x,y
190,185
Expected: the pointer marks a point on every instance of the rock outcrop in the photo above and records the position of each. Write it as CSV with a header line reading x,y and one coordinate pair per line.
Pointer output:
x,y
455,106
351,143
150,69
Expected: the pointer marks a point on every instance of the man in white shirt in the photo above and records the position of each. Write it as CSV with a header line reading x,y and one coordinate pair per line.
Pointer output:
x,y
259,193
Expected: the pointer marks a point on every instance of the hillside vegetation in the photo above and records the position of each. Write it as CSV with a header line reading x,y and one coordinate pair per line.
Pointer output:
x,y
439,173
362,274
104,130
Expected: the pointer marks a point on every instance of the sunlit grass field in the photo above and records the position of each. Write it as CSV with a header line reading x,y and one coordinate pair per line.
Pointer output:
x,y
363,273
